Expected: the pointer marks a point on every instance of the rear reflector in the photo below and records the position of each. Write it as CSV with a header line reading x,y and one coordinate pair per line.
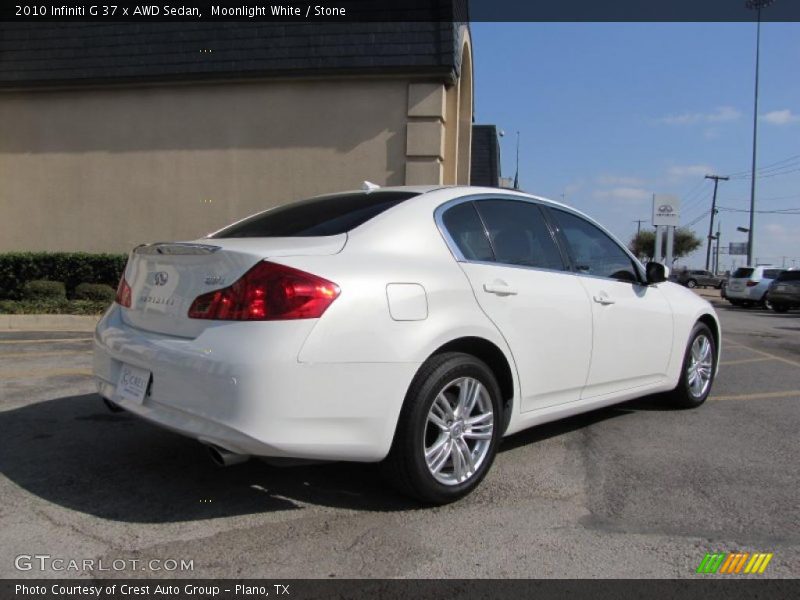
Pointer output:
x,y
123,293
268,292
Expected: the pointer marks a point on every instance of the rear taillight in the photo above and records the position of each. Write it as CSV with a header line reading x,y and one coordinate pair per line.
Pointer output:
x,y
123,293
751,283
268,292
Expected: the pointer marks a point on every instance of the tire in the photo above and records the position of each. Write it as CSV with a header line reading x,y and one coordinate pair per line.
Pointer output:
x,y
780,308
688,394
425,424
691,284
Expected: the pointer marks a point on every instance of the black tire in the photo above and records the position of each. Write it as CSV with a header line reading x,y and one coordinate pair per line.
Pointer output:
x,y
691,284
683,396
406,468
779,308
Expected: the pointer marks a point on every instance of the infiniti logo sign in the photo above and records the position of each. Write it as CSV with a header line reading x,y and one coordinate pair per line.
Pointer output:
x,y
665,208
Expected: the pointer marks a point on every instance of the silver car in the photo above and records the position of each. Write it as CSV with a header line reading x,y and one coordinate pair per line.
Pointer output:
x,y
748,286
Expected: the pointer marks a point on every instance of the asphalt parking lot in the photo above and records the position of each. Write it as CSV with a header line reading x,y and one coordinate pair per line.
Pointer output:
x,y
637,490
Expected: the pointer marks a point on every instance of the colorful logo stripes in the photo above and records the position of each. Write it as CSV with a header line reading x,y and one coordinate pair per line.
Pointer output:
x,y
735,563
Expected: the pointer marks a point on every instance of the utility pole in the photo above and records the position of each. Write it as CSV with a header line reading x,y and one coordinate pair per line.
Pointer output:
x,y
716,260
716,179
516,173
754,5
639,225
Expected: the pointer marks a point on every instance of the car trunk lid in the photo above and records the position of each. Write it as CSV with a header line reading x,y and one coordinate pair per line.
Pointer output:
x,y
165,278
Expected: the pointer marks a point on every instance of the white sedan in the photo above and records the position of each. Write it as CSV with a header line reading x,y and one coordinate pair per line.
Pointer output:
x,y
413,326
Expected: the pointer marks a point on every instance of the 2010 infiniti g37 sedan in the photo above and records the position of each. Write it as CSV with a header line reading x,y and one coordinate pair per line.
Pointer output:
x,y
411,326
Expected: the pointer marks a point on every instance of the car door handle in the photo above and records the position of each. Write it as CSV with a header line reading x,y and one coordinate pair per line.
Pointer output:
x,y
603,299
499,288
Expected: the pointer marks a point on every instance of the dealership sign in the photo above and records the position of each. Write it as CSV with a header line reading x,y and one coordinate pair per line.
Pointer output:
x,y
666,210
738,248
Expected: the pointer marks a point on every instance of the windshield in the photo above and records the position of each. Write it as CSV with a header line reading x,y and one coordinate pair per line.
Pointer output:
x,y
326,215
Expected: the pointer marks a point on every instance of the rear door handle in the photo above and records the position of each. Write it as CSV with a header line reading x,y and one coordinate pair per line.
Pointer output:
x,y
603,299
499,288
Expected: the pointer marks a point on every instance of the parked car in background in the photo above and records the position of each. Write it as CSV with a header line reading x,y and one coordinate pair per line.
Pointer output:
x,y
693,278
784,292
748,286
411,326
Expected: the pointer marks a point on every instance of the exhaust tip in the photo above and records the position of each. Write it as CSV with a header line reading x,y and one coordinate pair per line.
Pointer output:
x,y
224,458
112,407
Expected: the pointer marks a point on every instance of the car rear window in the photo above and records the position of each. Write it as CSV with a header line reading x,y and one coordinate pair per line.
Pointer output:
x,y
772,273
741,273
789,276
326,215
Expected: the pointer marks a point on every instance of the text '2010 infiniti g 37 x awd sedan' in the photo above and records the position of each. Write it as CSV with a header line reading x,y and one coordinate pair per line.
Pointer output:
x,y
411,326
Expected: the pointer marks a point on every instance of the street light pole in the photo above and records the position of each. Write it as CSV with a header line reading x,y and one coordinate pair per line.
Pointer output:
x,y
754,5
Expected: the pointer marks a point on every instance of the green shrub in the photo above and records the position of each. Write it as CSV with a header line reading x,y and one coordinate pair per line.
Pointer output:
x,y
44,290
73,268
52,307
97,292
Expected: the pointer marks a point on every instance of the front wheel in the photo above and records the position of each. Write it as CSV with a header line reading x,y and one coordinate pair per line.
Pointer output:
x,y
699,366
448,431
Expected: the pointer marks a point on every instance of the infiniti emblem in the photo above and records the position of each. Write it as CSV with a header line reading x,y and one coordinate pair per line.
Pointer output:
x,y
665,208
160,278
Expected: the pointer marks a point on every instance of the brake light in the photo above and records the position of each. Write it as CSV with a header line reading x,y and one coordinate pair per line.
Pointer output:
x,y
268,292
123,293
751,283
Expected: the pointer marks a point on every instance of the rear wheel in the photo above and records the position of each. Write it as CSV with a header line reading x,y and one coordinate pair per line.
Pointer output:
x,y
699,365
448,430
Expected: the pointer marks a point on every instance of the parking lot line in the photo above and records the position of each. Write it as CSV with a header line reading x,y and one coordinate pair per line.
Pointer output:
x,y
740,361
47,341
42,373
42,354
788,361
758,396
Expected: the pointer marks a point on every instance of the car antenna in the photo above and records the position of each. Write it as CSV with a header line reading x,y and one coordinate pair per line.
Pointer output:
x,y
368,186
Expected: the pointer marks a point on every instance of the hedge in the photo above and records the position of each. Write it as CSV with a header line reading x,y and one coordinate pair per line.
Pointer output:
x,y
71,268
52,307
96,292
43,290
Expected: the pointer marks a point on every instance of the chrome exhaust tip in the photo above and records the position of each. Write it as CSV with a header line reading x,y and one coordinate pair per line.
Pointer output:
x,y
226,458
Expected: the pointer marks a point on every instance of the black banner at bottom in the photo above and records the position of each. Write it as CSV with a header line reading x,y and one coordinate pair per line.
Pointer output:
x,y
702,588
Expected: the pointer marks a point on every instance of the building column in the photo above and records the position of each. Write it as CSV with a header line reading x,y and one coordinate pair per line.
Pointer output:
x,y
425,134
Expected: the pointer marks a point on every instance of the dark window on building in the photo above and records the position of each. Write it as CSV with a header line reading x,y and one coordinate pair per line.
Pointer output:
x,y
593,251
326,215
466,230
519,234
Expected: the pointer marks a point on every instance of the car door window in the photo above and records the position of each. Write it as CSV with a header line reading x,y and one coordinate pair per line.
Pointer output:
x,y
519,234
467,232
593,251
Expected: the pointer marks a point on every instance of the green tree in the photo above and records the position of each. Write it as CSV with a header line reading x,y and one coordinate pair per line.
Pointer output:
x,y
643,243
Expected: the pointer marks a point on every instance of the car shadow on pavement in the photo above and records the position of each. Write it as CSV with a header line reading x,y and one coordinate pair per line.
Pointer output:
x,y
73,452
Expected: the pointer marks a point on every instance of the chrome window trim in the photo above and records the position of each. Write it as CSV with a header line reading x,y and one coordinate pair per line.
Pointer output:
x,y
546,206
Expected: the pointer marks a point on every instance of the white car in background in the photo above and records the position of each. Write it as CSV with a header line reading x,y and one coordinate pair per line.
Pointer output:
x,y
413,326
748,286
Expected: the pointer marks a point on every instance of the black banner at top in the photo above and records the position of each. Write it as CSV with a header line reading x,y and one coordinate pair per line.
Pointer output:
x,y
401,10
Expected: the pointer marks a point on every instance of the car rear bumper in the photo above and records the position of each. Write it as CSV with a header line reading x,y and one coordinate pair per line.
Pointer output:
x,y
240,386
753,294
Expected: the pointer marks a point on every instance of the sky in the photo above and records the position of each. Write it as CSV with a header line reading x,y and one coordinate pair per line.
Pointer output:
x,y
611,113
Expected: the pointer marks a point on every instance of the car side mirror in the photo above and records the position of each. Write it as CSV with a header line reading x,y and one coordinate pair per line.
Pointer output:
x,y
656,273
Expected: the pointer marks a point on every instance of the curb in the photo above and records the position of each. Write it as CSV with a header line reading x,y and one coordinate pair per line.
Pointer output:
x,y
49,322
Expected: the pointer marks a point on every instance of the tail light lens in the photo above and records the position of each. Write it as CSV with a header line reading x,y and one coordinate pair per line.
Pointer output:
x,y
268,292
751,283
123,293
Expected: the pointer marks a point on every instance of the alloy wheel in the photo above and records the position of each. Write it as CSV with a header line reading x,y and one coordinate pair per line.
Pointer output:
x,y
458,431
698,373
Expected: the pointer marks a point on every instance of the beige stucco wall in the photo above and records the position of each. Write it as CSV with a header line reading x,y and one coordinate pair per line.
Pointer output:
x,y
105,169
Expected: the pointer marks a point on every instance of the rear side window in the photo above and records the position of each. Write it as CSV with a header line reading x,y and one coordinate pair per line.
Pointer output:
x,y
326,215
466,230
519,234
741,273
593,251
789,276
772,273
